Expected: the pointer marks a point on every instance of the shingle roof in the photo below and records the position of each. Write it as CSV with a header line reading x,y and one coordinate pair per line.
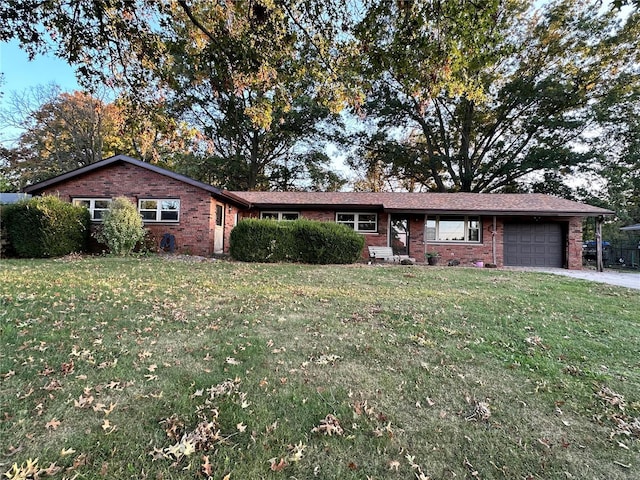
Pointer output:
x,y
486,203
38,187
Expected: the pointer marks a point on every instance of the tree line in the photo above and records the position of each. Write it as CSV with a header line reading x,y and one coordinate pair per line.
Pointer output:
x,y
417,95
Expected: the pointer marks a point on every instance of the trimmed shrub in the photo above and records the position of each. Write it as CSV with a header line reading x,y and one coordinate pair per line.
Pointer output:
x,y
46,227
122,227
304,241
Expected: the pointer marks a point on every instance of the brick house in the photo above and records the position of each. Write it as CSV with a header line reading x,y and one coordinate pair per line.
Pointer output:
x,y
198,215
505,229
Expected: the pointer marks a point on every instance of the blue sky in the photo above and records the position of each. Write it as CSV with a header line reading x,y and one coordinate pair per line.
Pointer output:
x,y
19,73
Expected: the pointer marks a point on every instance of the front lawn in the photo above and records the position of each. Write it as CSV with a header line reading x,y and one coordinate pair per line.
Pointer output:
x,y
150,368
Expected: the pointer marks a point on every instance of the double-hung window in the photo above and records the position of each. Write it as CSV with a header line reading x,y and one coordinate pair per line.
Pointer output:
x,y
97,206
360,222
449,228
159,210
279,215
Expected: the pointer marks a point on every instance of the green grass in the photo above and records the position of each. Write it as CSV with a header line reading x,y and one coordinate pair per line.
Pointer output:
x,y
148,368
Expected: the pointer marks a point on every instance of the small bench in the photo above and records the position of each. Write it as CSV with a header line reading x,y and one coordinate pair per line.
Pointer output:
x,y
386,254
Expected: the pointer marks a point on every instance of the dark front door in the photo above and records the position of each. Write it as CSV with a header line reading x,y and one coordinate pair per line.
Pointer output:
x,y
534,245
399,234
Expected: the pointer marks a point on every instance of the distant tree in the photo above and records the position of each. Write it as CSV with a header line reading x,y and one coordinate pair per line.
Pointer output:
x,y
62,131
507,94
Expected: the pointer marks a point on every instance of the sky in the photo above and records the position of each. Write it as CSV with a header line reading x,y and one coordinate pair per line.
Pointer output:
x,y
19,73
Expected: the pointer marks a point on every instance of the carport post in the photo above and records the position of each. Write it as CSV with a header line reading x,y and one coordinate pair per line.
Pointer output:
x,y
599,263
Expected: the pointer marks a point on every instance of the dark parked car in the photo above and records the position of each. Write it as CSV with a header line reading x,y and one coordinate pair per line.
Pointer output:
x,y
589,251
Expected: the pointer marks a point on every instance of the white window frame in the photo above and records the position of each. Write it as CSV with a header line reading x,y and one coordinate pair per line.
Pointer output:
x,y
279,216
158,210
357,222
92,206
434,237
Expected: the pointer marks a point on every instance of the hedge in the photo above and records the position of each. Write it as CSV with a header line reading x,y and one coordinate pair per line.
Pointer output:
x,y
303,241
46,227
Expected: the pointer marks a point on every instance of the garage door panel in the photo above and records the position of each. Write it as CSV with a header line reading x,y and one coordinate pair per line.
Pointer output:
x,y
534,244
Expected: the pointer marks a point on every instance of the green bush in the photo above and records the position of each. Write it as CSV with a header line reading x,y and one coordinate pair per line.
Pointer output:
x,y
122,227
46,227
302,241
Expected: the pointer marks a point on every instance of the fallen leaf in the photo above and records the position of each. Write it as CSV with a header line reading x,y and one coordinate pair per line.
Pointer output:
x,y
107,411
52,470
328,426
52,424
67,368
206,466
67,451
107,427
277,467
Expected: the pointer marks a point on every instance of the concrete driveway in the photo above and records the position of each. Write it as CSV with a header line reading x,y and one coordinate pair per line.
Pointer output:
x,y
621,279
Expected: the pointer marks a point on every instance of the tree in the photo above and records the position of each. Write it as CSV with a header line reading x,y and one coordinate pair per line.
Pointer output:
x,y
248,75
244,74
511,97
62,131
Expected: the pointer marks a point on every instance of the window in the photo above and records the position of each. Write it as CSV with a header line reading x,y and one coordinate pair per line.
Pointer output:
x,y
97,206
166,210
360,222
279,215
453,229
219,215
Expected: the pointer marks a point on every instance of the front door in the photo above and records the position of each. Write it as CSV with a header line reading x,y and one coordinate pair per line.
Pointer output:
x,y
399,234
218,234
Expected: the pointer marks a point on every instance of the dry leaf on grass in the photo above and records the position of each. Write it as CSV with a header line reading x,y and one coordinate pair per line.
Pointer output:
x,y
329,425
611,397
277,467
52,424
480,411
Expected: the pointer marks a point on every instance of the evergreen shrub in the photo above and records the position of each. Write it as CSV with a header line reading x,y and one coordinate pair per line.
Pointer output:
x,y
122,227
304,241
46,227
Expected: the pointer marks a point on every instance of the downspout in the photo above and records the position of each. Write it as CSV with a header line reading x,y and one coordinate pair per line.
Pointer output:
x,y
493,242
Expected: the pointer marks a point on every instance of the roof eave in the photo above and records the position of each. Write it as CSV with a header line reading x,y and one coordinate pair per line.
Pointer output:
x,y
316,206
499,213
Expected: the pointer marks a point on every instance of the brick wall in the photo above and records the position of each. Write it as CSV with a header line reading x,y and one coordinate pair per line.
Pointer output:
x,y
574,244
466,254
194,232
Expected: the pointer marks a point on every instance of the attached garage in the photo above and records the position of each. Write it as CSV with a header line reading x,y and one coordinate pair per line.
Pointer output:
x,y
534,244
